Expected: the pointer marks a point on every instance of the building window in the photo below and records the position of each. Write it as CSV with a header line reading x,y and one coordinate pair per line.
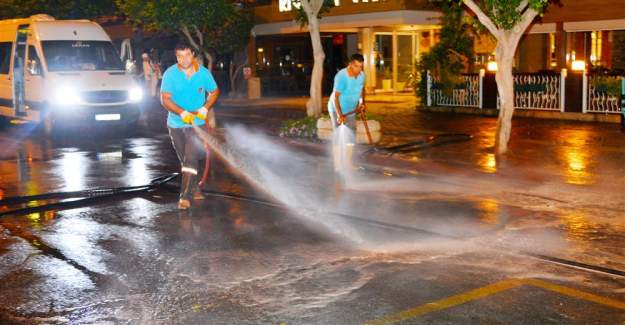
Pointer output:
x,y
553,60
596,41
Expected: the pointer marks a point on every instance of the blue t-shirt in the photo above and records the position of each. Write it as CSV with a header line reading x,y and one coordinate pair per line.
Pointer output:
x,y
350,89
188,93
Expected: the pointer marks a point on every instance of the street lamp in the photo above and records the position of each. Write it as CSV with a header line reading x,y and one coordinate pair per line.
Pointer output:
x,y
578,65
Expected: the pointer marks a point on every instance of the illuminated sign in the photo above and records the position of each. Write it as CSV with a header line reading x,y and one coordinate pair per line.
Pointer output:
x,y
288,5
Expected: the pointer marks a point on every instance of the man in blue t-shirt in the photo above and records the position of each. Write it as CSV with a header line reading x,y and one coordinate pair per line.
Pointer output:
x,y
347,100
348,95
188,92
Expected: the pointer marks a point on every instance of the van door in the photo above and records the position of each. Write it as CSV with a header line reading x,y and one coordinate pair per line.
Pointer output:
x,y
33,81
6,86
19,59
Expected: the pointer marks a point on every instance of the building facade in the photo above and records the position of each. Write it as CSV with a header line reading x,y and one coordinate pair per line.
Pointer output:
x,y
591,32
392,34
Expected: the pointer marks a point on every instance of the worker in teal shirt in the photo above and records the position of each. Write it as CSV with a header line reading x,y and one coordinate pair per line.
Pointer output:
x,y
188,92
348,95
347,100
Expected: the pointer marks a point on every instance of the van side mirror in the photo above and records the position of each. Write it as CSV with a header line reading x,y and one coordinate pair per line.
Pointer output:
x,y
34,68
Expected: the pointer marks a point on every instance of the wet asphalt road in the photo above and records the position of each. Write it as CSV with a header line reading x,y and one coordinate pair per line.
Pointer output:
x,y
454,260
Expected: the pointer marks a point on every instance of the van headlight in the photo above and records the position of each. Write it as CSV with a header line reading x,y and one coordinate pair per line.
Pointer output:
x,y
65,96
135,94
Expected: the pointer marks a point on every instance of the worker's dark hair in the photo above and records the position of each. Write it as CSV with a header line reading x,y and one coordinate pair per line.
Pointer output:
x,y
184,46
357,57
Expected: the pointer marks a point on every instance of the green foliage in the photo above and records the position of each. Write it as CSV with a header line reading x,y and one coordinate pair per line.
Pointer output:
x,y
300,128
449,58
223,25
300,15
60,9
505,14
608,85
414,81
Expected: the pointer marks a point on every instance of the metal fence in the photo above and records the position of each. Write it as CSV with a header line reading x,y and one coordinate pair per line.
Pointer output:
x,y
534,91
465,94
538,92
603,93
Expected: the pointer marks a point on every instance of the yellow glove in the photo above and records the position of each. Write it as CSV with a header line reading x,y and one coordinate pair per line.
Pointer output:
x,y
187,117
202,113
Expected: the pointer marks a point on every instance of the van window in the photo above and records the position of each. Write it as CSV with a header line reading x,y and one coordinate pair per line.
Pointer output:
x,y
81,56
34,63
5,57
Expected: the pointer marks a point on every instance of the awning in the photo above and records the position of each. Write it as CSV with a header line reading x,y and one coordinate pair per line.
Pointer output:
x,y
588,26
579,26
347,22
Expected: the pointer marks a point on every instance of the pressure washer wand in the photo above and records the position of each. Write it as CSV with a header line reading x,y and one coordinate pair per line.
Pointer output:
x,y
207,162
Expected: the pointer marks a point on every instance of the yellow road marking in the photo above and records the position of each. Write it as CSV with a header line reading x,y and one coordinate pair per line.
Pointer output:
x,y
449,302
576,293
490,290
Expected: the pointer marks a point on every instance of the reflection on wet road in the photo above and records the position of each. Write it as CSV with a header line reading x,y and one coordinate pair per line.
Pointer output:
x,y
228,261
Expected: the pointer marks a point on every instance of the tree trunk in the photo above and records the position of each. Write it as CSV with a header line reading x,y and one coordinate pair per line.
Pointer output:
x,y
237,64
197,44
507,42
209,60
233,79
314,104
505,86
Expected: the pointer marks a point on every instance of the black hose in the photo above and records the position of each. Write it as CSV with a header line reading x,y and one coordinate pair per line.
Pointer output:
x,y
429,141
86,196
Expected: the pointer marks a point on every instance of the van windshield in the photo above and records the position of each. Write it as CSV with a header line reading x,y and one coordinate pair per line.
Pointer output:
x,y
81,56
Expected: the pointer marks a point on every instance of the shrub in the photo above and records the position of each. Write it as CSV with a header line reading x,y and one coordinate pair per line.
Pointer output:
x,y
300,128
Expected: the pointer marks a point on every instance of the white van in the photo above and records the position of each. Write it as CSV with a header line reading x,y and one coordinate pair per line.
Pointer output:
x,y
63,71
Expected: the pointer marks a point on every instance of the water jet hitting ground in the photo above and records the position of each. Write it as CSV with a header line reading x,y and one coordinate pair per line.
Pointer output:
x,y
288,177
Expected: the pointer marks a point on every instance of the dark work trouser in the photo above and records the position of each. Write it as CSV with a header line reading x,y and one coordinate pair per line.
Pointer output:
x,y
189,150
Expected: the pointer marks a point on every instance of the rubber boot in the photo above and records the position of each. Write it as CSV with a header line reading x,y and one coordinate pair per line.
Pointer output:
x,y
187,188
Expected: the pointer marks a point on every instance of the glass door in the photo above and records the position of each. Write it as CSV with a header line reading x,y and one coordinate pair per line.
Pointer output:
x,y
383,61
405,59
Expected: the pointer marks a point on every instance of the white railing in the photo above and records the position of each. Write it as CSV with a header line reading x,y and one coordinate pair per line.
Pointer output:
x,y
598,98
537,92
467,94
